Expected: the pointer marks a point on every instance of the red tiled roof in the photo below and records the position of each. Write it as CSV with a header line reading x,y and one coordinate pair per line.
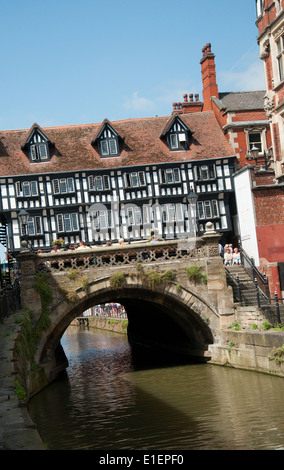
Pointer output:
x,y
142,145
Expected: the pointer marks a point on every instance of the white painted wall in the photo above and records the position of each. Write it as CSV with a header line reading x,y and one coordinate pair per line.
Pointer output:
x,y
246,213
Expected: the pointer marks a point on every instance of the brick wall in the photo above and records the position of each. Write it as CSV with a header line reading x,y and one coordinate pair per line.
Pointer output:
x,y
269,206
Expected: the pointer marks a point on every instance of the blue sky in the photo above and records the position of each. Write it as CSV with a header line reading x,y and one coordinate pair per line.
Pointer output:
x,y
72,62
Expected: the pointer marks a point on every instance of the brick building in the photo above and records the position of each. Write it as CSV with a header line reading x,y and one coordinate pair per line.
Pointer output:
x,y
241,115
270,24
254,129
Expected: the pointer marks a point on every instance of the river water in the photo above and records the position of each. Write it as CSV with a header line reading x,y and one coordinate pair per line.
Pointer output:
x,y
109,400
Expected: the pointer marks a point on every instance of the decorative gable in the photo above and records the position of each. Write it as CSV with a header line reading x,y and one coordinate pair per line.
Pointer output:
x,y
37,145
177,134
108,140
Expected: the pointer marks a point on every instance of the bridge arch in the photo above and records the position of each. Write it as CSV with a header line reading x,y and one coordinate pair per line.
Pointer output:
x,y
190,316
155,317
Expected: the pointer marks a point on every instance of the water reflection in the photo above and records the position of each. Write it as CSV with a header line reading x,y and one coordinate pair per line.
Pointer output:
x,y
105,401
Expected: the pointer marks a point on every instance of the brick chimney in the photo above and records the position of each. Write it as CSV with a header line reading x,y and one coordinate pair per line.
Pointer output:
x,y
188,105
210,87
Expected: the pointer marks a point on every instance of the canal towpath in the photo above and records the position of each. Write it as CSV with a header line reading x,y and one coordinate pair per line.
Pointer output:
x,y
17,431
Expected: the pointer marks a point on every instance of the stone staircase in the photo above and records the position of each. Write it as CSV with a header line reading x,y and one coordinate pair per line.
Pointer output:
x,y
249,303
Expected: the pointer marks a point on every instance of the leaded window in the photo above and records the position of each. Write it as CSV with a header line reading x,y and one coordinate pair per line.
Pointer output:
x,y
67,222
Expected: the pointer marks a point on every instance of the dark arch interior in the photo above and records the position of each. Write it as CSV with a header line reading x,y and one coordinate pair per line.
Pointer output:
x,y
155,322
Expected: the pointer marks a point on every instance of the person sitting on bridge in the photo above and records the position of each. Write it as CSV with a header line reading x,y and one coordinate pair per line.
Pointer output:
x,y
54,249
236,256
82,245
228,257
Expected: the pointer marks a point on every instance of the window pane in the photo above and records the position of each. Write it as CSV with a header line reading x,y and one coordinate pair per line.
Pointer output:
x,y
169,176
26,188
280,66
106,182
176,175
63,186
134,179
215,211
171,208
60,223
56,186
179,212
255,141
75,225
98,183
38,225
104,147
112,147
103,219
34,188
67,223
18,188
204,174
141,178
137,216
200,208
42,151
130,216
33,152
174,141
91,182
207,207
31,226
70,183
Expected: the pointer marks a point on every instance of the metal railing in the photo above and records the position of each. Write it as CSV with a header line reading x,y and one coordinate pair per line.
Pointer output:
x,y
10,300
255,296
250,268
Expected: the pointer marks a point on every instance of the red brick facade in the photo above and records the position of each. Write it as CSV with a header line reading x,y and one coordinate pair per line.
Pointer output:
x,y
270,24
238,114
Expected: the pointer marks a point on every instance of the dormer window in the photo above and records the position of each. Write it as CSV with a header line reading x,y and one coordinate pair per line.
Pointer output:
x,y
178,140
177,134
39,152
37,145
108,147
107,141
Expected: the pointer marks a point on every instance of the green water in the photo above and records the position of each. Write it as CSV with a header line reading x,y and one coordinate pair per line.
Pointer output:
x,y
108,401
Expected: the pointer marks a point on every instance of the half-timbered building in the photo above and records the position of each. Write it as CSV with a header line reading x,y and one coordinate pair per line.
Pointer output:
x,y
108,180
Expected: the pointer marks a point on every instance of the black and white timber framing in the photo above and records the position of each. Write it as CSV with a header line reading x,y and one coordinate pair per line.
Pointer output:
x,y
60,204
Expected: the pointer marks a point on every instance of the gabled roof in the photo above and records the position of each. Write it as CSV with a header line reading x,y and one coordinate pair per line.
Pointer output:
x,y
175,117
240,101
35,129
106,123
73,148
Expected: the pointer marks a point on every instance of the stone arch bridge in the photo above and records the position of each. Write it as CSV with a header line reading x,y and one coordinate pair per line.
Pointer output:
x,y
165,307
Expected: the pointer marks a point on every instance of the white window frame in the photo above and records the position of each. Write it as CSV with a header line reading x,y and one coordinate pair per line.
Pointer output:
x,y
280,57
26,188
102,180
208,209
39,152
108,147
170,176
63,185
135,179
67,222
33,227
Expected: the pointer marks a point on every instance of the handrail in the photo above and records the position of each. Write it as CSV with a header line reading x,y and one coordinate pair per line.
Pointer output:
x,y
260,300
10,300
254,273
121,255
